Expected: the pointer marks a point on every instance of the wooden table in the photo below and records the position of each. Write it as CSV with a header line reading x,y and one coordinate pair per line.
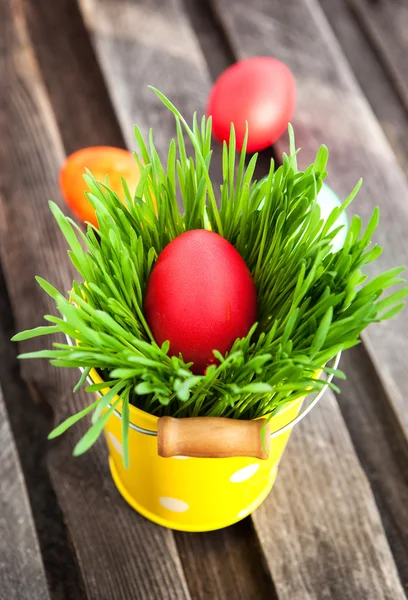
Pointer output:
x,y
74,74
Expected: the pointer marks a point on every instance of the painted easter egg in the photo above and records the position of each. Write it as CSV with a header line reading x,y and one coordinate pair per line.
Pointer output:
x,y
259,90
200,296
101,161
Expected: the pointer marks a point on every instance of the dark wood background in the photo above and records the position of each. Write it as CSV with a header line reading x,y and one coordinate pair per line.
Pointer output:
x,y
75,73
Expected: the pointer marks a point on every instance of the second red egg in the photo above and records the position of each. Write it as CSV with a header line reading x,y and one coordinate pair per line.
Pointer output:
x,y
259,90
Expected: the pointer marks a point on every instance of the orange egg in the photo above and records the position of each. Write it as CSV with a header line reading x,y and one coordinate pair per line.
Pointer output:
x,y
101,161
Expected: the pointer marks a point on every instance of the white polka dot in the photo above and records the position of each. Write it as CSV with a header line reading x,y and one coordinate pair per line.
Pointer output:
x,y
243,513
181,457
173,504
273,470
244,474
115,443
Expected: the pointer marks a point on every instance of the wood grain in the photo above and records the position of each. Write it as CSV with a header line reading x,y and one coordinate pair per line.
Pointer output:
x,y
149,42
120,554
31,419
383,456
71,74
212,437
363,403
332,110
386,26
141,43
226,564
372,76
210,36
22,575
320,528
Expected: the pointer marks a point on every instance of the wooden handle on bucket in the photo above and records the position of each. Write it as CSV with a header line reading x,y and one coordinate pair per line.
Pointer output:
x,y
211,437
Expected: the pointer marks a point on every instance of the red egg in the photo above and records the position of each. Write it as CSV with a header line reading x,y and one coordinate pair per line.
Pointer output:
x,y
200,296
259,90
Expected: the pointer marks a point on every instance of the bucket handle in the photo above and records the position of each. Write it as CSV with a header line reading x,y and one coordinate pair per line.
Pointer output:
x,y
212,437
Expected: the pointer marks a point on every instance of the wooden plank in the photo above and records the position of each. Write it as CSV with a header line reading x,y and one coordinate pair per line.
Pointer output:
x,y
320,529
210,36
332,110
120,553
147,43
382,454
127,98
72,75
22,575
225,564
363,403
30,420
386,26
372,77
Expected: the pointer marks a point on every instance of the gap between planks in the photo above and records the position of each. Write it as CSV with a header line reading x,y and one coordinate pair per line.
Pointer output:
x,y
381,451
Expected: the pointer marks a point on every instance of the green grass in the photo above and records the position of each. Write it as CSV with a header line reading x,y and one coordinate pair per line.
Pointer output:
x,y
312,303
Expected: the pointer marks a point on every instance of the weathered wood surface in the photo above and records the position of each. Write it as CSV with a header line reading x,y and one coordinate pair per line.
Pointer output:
x,y
120,554
321,531
226,564
241,572
22,575
327,103
381,451
372,76
371,546
332,110
72,75
363,403
147,43
30,420
385,23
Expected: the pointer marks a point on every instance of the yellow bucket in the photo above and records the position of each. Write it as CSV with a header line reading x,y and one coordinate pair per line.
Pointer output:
x,y
191,494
